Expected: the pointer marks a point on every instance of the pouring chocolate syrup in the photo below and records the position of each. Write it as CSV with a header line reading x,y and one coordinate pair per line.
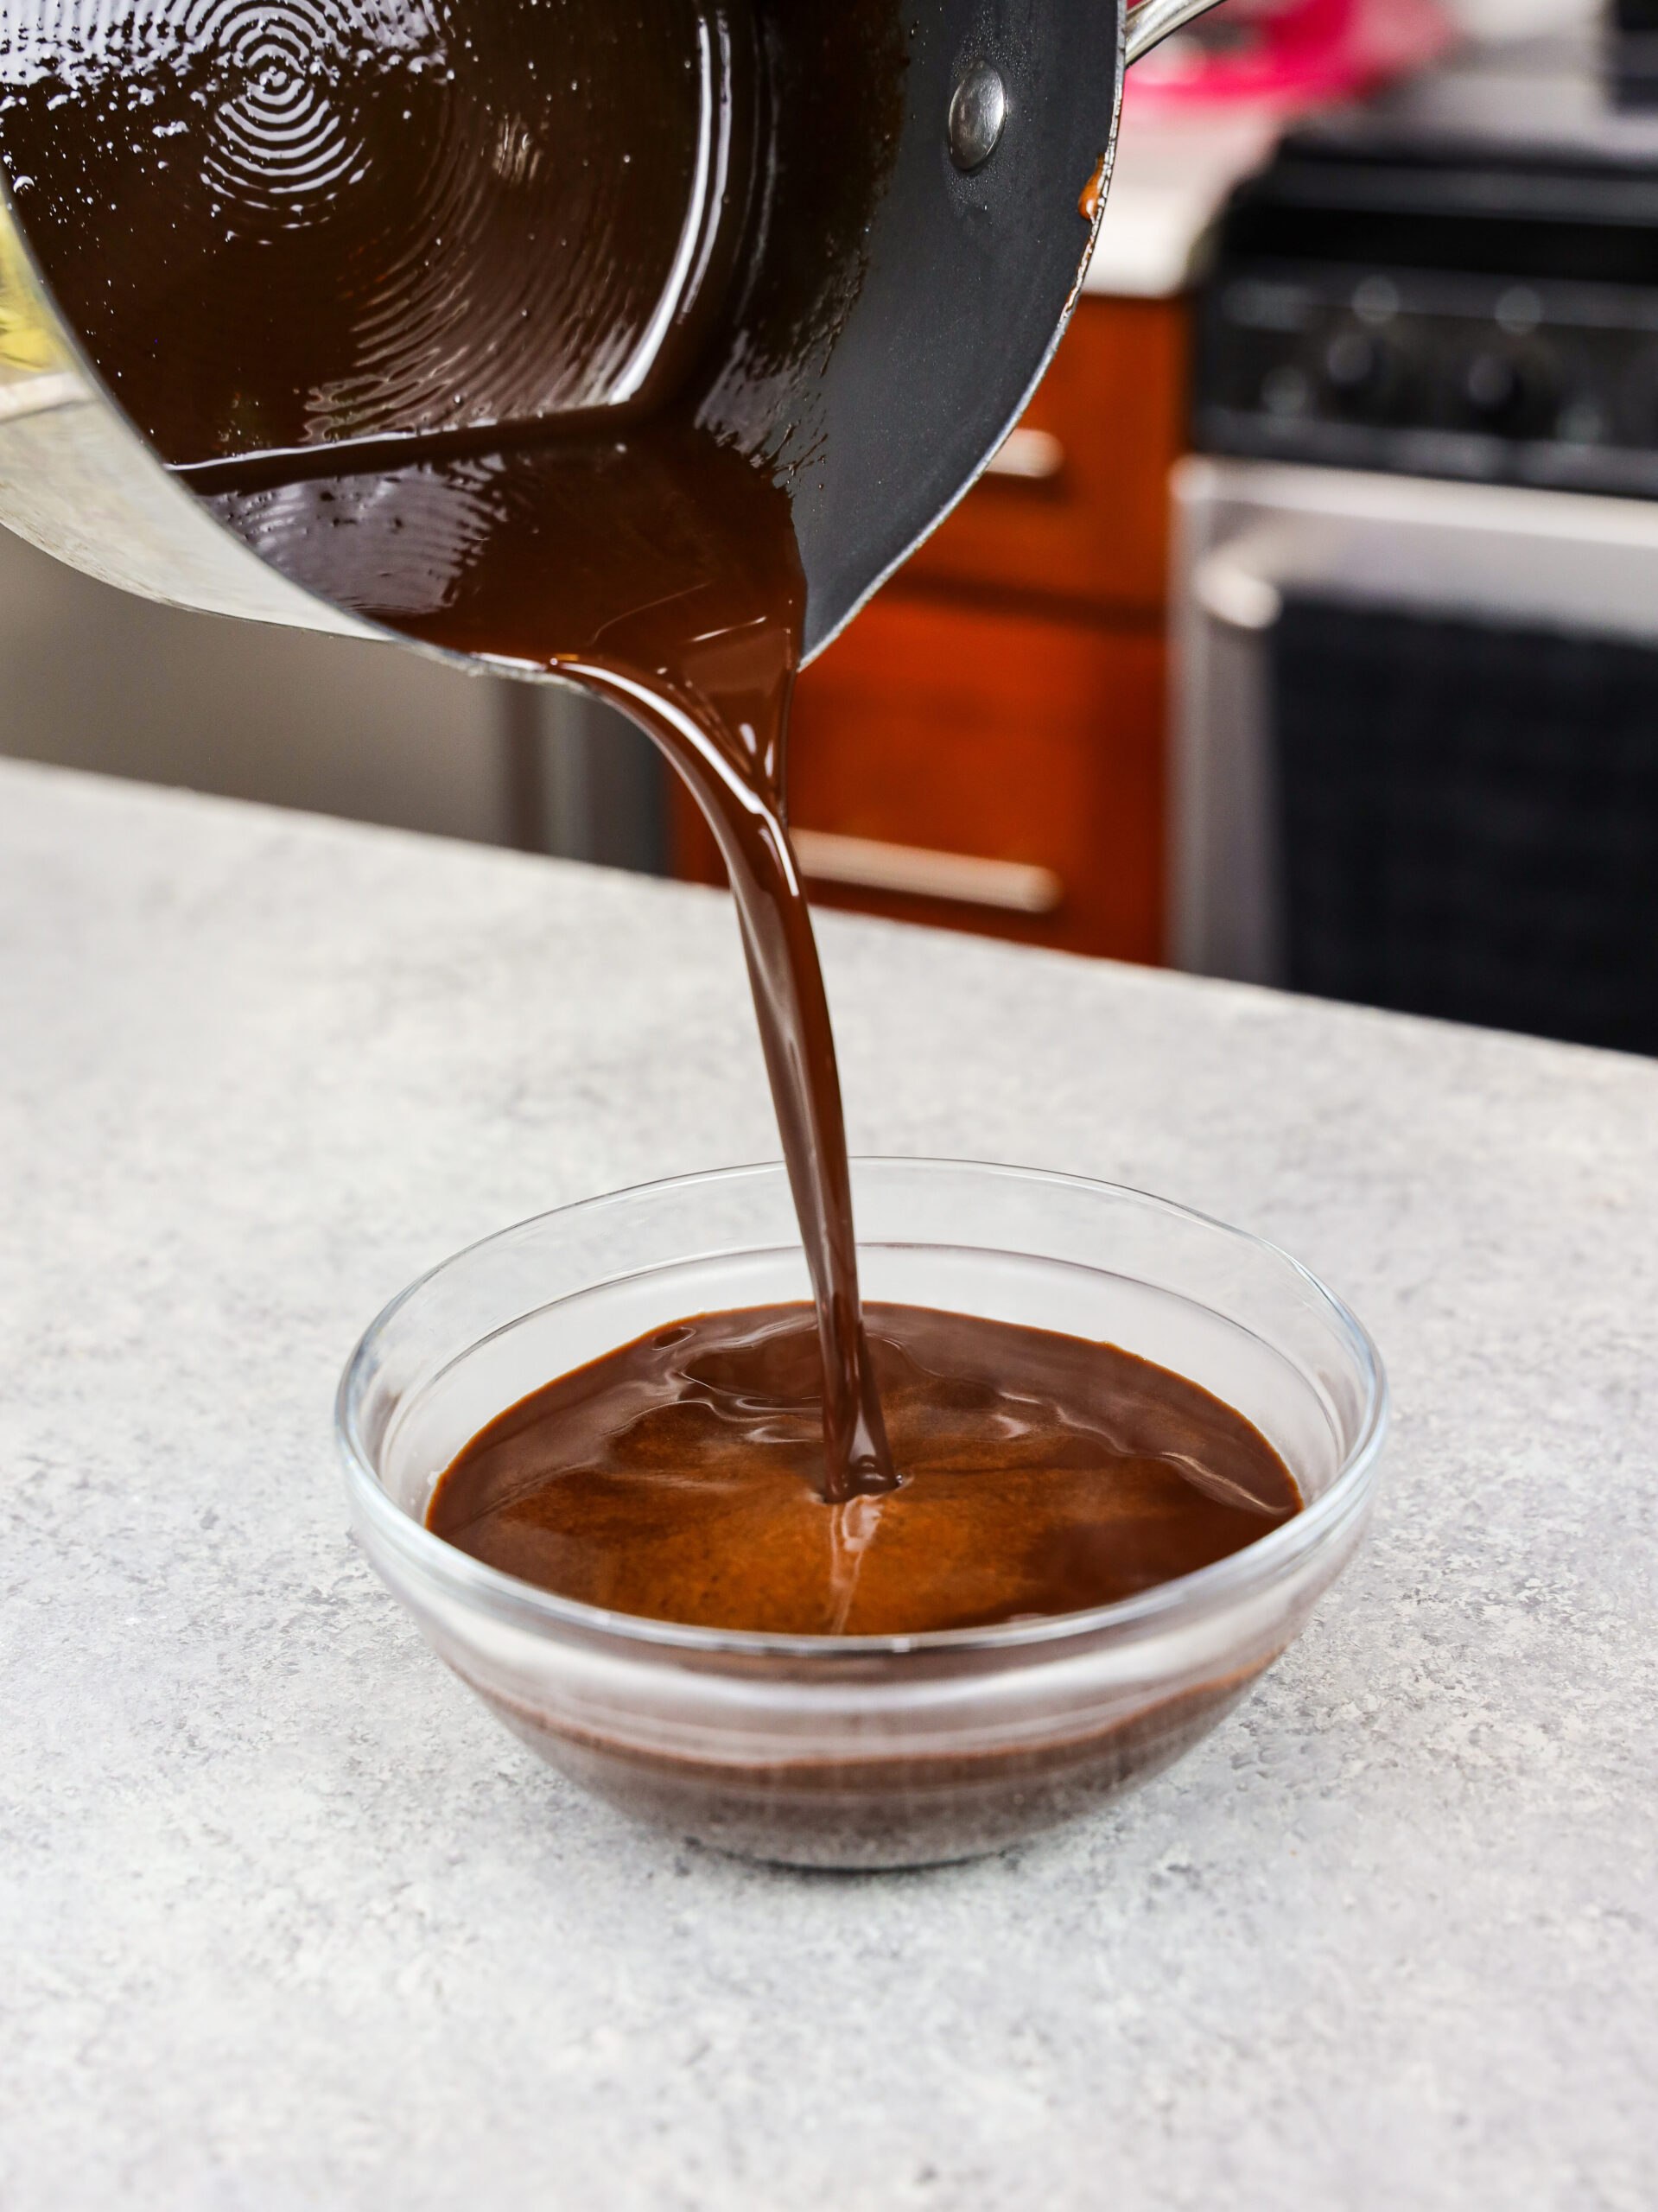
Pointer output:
x,y
472,320
579,193
658,568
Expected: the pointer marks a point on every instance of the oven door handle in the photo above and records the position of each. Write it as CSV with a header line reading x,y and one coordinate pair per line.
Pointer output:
x,y
1256,533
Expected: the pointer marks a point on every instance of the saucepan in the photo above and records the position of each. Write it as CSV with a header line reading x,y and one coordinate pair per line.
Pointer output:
x,y
916,191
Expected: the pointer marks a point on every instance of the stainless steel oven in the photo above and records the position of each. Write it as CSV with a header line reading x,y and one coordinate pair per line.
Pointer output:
x,y
1416,751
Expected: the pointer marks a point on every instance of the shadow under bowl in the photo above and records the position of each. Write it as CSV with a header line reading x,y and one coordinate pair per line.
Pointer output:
x,y
877,1750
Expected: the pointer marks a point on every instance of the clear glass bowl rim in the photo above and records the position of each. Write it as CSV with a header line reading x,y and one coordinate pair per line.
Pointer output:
x,y
1212,1590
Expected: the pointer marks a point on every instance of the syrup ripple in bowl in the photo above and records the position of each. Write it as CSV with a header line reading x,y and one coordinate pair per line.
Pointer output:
x,y
866,1751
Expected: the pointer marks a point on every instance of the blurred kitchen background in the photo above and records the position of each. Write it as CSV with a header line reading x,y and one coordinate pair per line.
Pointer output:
x,y
1307,630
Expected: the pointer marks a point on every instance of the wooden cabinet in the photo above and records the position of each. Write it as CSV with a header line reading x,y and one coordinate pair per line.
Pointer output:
x,y
1095,534
984,748
1006,735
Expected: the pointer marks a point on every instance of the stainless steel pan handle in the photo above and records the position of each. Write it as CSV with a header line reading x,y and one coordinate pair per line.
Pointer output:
x,y
1153,21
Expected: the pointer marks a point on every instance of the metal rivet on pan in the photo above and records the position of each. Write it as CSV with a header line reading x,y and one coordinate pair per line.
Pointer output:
x,y
976,116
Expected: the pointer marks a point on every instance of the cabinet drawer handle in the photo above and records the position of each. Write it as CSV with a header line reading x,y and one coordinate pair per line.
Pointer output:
x,y
1031,456
1234,595
867,864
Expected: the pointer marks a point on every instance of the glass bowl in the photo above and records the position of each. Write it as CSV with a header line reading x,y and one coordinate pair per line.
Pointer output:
x,y
877,1750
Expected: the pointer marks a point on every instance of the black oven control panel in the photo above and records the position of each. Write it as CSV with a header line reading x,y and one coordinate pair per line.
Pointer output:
x,y
1460,280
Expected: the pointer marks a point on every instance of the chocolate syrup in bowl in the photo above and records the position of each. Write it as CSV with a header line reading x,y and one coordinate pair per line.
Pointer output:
x,y
680,1478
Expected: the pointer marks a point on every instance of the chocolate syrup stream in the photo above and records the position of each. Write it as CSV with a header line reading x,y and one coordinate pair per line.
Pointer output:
x,y
739,793
708,670
658,568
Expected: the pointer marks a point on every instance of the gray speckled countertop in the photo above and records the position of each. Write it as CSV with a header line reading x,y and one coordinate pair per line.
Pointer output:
x,y
288,1920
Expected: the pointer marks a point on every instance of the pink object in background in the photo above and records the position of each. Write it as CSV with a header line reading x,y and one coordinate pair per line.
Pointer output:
x,y
1289,53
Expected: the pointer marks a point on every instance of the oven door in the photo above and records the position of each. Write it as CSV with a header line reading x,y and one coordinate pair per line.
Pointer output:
x,y
1415,753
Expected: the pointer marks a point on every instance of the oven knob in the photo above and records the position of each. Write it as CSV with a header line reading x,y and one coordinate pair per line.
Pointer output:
x,y
1513,394
1490,384
1364,374
1638,409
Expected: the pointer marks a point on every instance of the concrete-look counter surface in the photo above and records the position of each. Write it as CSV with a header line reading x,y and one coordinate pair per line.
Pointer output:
x,y
287,1920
